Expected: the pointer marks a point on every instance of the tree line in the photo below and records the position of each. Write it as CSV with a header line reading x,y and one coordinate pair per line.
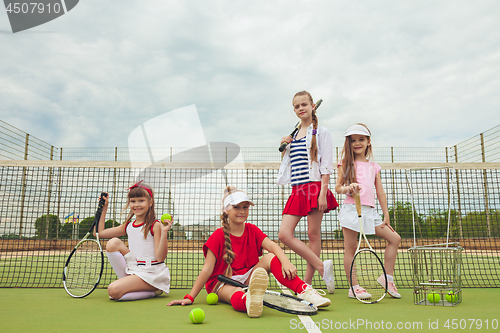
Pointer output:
x,y
431,225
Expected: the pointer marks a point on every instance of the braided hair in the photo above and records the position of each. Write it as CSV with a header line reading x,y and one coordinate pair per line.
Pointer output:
x,y
229,255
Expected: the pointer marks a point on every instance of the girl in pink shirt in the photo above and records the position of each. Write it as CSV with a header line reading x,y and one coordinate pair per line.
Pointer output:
x,y
357,174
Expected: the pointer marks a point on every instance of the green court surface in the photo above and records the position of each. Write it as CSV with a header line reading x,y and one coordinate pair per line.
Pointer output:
x,y
52,310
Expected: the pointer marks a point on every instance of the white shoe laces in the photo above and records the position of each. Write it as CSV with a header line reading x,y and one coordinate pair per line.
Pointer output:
x,y
320,292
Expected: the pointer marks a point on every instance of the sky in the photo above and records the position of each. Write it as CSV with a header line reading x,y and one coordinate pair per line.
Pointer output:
x,y
417,73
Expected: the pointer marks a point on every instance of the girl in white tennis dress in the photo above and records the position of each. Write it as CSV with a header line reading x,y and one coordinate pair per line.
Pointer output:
x,y
356,173
140,268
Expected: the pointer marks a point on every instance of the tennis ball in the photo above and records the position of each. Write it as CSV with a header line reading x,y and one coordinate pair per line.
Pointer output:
x,y
433,297
212,298
451,297
166,216
197,316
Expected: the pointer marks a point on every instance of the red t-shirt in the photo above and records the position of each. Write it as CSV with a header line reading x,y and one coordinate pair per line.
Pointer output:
x,y
247,247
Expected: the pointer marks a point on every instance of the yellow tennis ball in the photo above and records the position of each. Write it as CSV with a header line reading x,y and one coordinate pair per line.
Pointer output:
x,y
451,297
166,216
433,297
212,298
197,316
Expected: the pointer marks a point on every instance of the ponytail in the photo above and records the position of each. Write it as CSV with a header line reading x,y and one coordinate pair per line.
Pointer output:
x,y
229,255
314,143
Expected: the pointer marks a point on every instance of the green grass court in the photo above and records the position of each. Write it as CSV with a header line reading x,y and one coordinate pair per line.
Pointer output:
x,y
52,310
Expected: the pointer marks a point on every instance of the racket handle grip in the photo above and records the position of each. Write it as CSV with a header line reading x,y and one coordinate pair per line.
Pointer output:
x,y
225,279
283,146
357,199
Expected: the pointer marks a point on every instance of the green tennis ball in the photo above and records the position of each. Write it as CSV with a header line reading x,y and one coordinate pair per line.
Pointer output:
x,y
197,316
212,298
451,297
433,297
166,216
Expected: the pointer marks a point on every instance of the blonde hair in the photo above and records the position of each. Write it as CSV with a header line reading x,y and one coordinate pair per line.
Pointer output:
x,y
138,192
314,144
347,158
229,255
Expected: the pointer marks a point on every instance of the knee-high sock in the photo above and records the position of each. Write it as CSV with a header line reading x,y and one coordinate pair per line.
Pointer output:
x,y
118,263
238,302
295,284
135,295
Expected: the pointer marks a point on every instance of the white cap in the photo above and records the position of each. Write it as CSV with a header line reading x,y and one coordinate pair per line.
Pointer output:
x,y
357,129
235,198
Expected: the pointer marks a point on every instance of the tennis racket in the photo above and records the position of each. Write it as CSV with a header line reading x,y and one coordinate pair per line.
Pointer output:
x,y
279,301
367,269
297,127
83,269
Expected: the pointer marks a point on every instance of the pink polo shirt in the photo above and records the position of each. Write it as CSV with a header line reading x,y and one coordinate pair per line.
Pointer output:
x,y
365,175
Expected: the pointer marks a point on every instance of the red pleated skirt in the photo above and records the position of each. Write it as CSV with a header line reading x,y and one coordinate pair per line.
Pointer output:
x,y
304,199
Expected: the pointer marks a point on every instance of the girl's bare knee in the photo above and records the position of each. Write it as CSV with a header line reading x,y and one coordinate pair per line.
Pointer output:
x,y
113,292
284,237
398,239
113,244
395,239
314,236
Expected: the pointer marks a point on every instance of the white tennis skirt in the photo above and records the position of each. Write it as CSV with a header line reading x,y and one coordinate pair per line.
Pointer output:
x,y
348,218
156,275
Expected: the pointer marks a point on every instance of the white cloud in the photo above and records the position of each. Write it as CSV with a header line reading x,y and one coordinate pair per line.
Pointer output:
x,y
417,73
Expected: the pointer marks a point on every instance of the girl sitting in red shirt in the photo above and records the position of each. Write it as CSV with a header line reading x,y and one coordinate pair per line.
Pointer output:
x,y
235,251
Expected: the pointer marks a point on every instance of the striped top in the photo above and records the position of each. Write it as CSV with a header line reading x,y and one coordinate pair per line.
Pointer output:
x,y
299,162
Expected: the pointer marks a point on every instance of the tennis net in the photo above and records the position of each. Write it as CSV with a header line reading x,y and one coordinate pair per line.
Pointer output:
x,y
47,206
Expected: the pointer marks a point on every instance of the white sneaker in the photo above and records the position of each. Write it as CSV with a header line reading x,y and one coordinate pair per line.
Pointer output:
x,y
328,276
360,292
312,296
255,293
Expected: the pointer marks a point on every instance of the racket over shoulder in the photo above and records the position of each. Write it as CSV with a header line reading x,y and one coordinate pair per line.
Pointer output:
x,y
279,301
297,127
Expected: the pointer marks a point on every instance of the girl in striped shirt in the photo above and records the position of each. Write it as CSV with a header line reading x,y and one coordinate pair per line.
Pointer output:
x,y
307,165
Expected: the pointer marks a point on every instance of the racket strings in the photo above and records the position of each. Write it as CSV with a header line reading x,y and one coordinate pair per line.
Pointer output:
x,y
368,272
280,300
84,269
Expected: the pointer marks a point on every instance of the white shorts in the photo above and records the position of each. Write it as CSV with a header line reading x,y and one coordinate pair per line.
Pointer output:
x,y
240,278
348,218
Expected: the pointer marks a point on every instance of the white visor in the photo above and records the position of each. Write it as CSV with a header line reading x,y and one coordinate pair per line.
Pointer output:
x,y
357,129
234,199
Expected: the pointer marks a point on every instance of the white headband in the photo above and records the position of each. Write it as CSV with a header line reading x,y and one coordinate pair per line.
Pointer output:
x,y
235,198
357,129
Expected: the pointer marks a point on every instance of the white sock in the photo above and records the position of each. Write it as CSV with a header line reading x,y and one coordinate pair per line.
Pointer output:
x,y
390,278
135,295
118,263
327,275
356,286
